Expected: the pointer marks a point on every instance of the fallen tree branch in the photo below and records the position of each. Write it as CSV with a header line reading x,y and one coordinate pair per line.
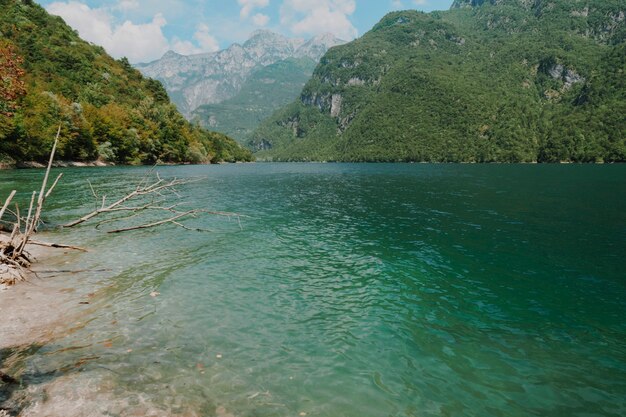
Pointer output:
x,y
71,271
139,191
56,245
142,200
6,203
146,226
14,260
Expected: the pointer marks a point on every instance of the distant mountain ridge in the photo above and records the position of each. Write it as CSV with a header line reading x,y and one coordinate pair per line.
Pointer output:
x,y
265,90
487,81
210,78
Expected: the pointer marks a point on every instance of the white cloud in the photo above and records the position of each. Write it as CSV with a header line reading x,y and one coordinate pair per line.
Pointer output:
x,y
311,17
93,25
260,19
184,47
247,6
128,5
138,42
207,42
420,2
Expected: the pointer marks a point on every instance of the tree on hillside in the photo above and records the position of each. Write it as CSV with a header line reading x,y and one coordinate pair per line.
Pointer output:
x,y
12,86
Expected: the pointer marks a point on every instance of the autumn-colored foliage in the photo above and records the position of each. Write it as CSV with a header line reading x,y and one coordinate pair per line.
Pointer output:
x,y
12,86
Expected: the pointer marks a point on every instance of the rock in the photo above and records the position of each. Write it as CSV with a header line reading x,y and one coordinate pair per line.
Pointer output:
x,y
211,78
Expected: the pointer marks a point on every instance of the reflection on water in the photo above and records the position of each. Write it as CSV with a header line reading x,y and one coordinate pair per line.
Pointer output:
x,y
350,290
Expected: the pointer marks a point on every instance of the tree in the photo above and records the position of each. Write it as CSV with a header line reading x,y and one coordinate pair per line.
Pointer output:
x,y
12,86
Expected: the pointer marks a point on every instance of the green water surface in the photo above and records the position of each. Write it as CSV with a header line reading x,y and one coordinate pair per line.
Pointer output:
x,y
353,290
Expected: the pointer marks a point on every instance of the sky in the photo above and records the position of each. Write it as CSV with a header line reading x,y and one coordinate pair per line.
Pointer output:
x,y
143,30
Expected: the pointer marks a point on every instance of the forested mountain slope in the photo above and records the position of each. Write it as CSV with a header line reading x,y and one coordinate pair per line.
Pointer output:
x,y
488,80
106,108
265,90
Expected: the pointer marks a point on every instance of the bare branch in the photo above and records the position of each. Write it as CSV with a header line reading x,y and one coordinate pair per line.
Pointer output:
x,y
14,260
116,219
42,193
193,229
56,245
149,225
140,191
54,184
23,238
7,202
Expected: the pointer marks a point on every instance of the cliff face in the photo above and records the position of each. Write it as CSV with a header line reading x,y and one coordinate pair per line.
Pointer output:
x,y
499,80
195,80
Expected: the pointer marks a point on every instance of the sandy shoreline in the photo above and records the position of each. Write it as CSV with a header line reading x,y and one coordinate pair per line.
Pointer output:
x,y
40,312
34,313
31,310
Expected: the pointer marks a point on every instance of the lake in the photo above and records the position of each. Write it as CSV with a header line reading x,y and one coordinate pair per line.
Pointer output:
x,y
348,290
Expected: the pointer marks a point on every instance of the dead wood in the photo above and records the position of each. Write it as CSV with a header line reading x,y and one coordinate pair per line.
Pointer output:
x,y
14,260
56,245
151,195
6,203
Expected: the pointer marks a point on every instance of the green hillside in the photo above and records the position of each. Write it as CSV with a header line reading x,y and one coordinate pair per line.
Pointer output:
x,y
106,109
499,80
266,90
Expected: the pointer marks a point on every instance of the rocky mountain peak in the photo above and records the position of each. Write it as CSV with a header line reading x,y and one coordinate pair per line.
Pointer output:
x,y
171,55
317,46
325,39
265,37
267,46
195,80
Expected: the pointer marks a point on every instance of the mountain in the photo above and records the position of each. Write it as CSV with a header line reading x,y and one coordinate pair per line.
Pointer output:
x,y
265,90
211,78
488,80
106,108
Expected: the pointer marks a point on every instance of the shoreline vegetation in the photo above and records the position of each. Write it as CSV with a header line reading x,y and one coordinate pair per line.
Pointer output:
x,y
56,164
99,164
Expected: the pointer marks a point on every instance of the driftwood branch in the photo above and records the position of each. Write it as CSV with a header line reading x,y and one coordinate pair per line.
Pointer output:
x,y
56,245
154,224
146,197
14,261
6,203
140,190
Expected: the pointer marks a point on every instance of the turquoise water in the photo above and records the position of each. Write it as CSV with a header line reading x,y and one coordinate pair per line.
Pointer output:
x,y
351,290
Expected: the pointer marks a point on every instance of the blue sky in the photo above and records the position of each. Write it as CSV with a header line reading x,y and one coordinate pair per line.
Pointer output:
x,y
143,30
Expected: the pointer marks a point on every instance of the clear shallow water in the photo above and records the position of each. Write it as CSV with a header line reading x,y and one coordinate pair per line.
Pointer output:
x,y
352,290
